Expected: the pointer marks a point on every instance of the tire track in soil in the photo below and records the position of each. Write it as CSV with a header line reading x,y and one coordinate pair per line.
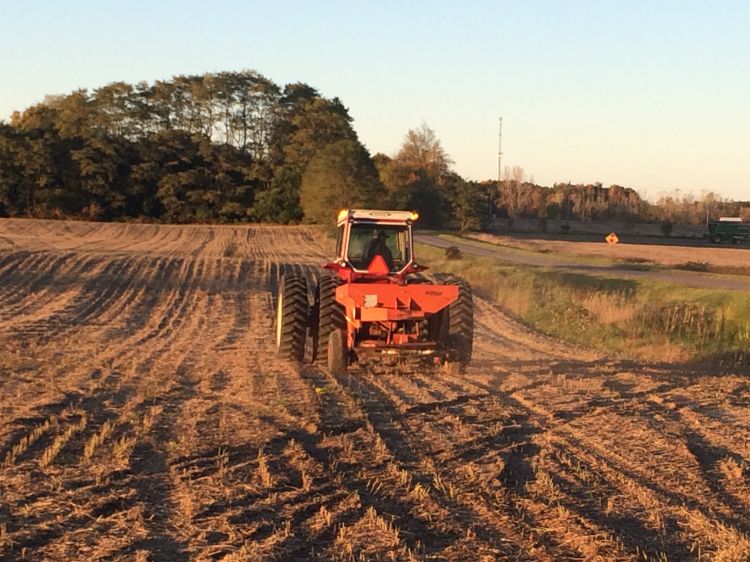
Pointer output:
x,y
17,276
148,462
29,290
59,291
170,550
474,507
337,422
587,505
136,346
288,389
151,482
379,425
205,348
248,275
95,296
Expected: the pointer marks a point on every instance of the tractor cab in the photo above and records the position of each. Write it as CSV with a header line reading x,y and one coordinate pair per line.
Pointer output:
x,y
374,244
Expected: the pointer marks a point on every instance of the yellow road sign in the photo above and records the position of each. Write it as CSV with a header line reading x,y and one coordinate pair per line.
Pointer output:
x,y
612,238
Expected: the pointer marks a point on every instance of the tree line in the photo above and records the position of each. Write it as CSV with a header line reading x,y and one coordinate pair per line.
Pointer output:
x,y
230,146
236,147
520,197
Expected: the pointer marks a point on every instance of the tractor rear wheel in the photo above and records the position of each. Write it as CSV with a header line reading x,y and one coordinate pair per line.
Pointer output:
x,y
330,315
457,326
336,353
291,317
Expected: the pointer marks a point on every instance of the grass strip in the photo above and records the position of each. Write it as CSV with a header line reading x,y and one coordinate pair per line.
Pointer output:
x,y
634,318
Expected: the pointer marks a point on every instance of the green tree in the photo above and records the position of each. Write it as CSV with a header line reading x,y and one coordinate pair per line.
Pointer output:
x,y
280,202
514,191
13,184
471,201
306,125
422,150
101,169
311,124
419,176
340,175
73,114
143,181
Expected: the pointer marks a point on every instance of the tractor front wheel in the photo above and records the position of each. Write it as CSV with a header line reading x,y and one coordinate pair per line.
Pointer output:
x,y
291,317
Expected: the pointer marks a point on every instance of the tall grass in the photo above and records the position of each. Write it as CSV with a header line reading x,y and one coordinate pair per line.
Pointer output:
x,y
637,318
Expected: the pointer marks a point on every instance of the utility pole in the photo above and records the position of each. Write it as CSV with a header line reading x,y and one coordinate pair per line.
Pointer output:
x,y
499,163
499,152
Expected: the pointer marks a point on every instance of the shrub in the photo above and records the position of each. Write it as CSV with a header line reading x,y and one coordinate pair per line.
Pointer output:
x,y
693,266
453,253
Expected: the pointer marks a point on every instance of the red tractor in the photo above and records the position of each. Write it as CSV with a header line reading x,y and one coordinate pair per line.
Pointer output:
x,y
373,306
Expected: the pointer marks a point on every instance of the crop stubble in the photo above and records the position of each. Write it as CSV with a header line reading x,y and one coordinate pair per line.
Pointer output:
x,y
145,417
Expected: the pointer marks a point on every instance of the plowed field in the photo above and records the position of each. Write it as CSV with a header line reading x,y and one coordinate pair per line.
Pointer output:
x,y
144,416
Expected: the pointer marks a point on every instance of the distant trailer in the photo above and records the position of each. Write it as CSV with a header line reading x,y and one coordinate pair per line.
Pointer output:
x,y
728,229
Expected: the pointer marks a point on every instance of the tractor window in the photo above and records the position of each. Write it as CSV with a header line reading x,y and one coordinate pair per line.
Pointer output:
x,y
368,240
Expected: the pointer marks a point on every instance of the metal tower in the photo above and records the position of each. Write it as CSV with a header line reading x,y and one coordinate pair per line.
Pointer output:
x,y
499,152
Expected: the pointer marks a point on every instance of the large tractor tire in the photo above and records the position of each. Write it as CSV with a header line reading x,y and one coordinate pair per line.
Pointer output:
x,y
291,317
329,315
456,326
336,354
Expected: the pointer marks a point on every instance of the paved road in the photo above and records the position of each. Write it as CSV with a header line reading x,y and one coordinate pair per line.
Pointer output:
x,y
688,278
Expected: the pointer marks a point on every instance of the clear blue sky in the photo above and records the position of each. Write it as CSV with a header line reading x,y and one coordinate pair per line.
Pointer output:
x,y
652,95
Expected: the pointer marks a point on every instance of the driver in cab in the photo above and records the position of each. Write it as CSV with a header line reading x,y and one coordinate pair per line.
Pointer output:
x,y
378,247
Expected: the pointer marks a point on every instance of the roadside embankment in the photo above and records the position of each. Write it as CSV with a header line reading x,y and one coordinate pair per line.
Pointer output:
x,y
639,318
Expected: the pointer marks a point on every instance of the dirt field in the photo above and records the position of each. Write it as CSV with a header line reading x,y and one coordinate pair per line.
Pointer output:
x,y
145,417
